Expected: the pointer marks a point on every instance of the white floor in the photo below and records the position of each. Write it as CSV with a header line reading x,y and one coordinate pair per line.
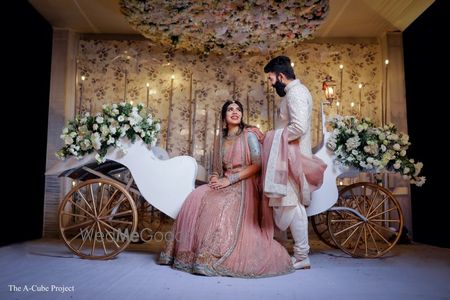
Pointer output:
x,y
407,272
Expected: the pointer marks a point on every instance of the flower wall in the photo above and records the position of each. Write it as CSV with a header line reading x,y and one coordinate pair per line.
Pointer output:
x,y
114,71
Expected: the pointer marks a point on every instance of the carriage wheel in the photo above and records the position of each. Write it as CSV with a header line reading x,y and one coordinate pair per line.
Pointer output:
x,y
97,219
376,231
320,226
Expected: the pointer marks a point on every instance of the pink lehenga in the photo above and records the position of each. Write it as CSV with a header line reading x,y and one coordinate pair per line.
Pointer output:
x,y
227,232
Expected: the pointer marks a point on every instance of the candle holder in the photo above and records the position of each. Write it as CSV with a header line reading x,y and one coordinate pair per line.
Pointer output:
x,y
148,92
205,137
385,95
248,109
83,78
360,86
268,98
191,124
169,117
341,75
329,86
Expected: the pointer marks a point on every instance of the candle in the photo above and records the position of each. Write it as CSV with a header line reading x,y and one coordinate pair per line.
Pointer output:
x,y
329,92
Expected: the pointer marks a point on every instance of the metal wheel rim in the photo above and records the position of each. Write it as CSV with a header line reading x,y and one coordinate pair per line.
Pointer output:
x,y
382,230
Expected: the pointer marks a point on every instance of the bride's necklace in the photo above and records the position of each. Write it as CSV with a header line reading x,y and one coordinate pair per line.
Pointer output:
x,y
232,136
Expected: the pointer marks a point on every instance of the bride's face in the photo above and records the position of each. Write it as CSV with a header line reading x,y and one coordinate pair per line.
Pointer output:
x,y
234,114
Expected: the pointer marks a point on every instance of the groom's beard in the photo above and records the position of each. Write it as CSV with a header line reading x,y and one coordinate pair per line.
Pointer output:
x,y
279,87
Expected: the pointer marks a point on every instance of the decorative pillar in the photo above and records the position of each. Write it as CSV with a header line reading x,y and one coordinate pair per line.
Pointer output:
x,y
61,108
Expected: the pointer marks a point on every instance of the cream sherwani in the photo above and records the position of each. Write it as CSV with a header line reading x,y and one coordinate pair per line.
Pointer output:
x,y
294,112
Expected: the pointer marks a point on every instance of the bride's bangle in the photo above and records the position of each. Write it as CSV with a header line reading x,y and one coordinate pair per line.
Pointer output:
x,y
233,178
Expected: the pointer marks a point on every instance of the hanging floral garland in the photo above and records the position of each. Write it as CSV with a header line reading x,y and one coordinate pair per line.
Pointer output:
x,y
225,27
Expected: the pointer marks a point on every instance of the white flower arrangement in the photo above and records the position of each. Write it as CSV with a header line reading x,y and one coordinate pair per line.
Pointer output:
x,y
225,27
362,145
86,134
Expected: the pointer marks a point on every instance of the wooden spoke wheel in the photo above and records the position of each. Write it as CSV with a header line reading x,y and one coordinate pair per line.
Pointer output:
x,y
377,228
97,219
319,224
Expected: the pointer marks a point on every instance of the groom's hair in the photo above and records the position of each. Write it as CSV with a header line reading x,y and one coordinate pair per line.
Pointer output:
x,y
280,64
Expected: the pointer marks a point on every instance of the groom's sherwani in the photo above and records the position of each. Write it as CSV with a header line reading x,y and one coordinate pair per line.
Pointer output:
x,y
294,112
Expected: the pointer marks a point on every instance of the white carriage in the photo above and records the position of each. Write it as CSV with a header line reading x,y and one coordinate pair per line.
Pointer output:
x,y
115,202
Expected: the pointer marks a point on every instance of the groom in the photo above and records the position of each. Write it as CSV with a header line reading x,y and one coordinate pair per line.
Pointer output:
x,y
291,170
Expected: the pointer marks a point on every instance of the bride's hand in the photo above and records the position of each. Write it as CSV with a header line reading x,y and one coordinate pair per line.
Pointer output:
x,y
213,179
219,183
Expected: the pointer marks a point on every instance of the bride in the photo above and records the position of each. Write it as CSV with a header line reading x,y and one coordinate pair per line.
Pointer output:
x,y
224,228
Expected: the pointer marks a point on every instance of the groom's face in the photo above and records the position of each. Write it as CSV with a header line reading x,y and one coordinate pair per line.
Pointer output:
x,y
276,80
272,78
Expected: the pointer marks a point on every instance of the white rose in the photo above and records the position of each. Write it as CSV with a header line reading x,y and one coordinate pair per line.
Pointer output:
x,y
110,140
68,140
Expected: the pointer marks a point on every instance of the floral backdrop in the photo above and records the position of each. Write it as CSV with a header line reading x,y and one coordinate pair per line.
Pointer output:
x,y
111,71
227,26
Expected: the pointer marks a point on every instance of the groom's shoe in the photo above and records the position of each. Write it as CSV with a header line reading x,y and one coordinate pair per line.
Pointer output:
x,y
301,264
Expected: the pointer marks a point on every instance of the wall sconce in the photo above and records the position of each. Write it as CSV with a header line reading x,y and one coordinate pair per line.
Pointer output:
x,y
329,86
